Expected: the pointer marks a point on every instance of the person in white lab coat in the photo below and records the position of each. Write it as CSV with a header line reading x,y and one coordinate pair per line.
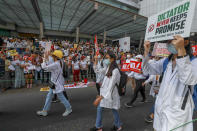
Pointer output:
x,y
99,64
109,97
57,78
174,104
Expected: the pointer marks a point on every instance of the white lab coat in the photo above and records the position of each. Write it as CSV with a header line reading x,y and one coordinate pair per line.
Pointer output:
x,y
55,69
109,91
168,112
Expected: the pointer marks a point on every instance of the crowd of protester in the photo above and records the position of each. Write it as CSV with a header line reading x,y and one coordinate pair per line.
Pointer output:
x,y
23,58
171,83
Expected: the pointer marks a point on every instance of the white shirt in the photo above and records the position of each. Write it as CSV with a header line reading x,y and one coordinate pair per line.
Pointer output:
x,y
83,64
109,91
76,65
55,69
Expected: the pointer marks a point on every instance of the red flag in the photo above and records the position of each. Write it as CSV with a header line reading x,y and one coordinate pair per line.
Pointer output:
x,y
96,45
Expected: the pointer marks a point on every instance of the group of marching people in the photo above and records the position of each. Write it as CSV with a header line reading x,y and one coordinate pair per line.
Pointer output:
x,y
173,80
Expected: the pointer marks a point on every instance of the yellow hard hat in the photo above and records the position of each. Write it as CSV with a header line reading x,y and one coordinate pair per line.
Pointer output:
x,y
58,53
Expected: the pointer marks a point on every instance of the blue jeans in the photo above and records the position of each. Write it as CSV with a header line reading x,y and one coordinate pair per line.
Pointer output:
x,y
152,109
61,97
117,121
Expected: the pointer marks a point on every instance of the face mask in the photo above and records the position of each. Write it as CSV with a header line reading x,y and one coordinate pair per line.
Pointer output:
x,y
107,61
128,56
172,49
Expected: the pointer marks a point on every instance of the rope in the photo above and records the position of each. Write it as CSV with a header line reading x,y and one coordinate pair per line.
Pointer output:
x,y
183,125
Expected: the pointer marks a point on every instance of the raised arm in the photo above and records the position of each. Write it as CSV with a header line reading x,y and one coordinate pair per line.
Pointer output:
x,y
186,68
153,68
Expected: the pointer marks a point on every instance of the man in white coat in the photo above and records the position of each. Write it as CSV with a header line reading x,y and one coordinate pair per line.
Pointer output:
x,y
174,105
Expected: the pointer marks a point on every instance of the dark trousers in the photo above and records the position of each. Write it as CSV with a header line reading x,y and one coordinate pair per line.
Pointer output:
x,y
138,88
83,74
98,88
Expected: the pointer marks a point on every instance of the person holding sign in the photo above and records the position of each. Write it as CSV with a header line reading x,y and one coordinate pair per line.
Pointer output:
x,y
58,80
99,65
174,104
139,78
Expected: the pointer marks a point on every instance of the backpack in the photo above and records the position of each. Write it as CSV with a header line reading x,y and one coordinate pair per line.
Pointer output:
x,y
122,85
194,96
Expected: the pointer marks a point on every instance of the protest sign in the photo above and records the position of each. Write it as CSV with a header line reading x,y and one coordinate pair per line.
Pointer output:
x,y
160,49
194,49
70,86
12,52
176,20
75,46
134,66
48,47
76,85
124,44
45,89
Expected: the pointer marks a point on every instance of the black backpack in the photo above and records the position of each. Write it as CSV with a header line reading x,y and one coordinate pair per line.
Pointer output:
x,y
122,85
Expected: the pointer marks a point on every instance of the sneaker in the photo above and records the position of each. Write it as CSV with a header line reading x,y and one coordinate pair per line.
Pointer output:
x,y
114,128
128,105
67,112
148,119
96,129
42,113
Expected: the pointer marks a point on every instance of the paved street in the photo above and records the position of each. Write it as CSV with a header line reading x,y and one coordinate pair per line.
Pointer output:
x,y
18,112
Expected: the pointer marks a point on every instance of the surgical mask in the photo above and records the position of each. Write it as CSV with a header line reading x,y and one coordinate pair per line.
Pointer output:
x,y
128,56
107,61
172,49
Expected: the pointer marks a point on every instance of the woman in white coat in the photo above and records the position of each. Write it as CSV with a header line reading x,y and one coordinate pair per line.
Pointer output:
x,y
57,78
174,104
109,97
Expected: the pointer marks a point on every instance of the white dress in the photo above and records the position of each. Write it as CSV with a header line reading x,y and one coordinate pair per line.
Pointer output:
x,y
109,91
168,113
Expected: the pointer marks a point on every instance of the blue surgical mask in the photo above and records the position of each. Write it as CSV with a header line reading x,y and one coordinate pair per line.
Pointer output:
x,y
107,61
172,49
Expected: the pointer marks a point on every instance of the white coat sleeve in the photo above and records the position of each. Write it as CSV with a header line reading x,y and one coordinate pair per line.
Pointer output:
x,y
115,79
186,70
131,74
49,67
101,70
152,68
151,78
